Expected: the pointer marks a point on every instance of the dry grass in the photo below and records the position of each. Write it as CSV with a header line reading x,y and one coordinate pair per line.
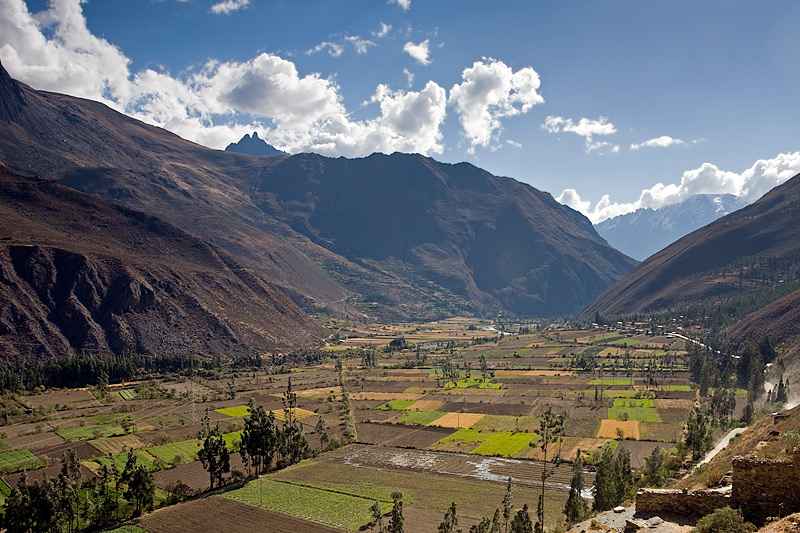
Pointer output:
x,y
385,396
457,420
629,428
425,405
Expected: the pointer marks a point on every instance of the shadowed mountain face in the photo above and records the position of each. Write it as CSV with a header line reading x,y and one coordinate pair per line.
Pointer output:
x,y
757,247
399,236
80,274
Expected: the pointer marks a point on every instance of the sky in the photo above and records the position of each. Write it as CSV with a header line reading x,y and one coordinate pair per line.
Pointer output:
x,y
607,105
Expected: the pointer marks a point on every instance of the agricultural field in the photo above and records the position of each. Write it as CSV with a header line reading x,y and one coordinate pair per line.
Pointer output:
x,y
442,412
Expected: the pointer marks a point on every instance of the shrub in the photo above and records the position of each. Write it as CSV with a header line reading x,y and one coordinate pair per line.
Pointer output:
x,y
725,520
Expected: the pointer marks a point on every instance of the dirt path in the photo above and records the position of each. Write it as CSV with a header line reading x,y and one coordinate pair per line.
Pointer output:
x,y
720,445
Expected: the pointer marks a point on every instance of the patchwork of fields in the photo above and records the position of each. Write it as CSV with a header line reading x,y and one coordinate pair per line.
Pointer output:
x,y
448,422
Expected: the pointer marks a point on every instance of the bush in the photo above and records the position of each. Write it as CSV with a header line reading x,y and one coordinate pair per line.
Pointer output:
x,y
725,520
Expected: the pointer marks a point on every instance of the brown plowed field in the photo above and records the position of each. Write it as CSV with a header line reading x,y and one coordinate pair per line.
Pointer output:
x,y
35,440
641,449
384,396
399,435
509,409
427,405
50,471
83,450
193,474
71,398
221,514
457,420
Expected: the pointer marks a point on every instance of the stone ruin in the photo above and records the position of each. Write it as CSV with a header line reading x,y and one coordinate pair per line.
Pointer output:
x,y
761,488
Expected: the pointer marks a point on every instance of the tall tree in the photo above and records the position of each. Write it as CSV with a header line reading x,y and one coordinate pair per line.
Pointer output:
x,y
576,508
450,522
551,428
213,455
696,433
507,505
522,521
396,520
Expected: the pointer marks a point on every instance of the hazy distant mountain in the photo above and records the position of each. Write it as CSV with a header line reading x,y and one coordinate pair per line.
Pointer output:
x,y
750,251
646,231
254,146
392,237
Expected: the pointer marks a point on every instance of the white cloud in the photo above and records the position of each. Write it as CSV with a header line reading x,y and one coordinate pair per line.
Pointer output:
x,y
409,77
361,45
489,92
229,6
220,101
405,4
383,32
750,185
420,52
515,144
664,141
586,128
333,49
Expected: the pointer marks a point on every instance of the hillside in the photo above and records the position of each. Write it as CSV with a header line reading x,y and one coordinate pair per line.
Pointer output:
x,y
391,236
753,253
646,231
81,274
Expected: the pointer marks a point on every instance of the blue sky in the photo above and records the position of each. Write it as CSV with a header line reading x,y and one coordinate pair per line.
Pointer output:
x,y
609,106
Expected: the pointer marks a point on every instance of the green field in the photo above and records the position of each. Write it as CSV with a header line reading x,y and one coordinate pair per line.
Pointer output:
x,y
128,394
506,443
88,432
16,460
396,405
236,411
122,458
168,452
5,447
683,388
334,509
232,438
474,383
420,418
498,423
642,410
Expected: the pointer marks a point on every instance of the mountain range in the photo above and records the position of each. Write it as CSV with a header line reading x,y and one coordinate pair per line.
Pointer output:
x,y
253,145
388,236
644,232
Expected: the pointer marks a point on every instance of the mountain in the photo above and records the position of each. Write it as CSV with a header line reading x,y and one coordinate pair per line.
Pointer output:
x,y
752,254
253,146
646,231
393,237
78,274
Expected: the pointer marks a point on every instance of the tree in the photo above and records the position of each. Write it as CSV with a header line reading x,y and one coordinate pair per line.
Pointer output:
x,y
654,468
377,516
551,429
260,439
696,433
484,526
522,521
450,522
396,520
213,455
319,429
725,520
484,368
576,508
606,482
507,505
141,489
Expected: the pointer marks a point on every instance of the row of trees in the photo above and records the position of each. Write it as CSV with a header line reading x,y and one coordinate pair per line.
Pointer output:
x,y
68,503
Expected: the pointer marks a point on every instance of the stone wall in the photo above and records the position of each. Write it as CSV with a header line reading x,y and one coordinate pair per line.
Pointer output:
x,y
763,488
666,502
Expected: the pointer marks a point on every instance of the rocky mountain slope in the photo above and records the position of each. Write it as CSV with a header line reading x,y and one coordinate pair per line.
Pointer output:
x,y
78,273
646,231
754,250
397,236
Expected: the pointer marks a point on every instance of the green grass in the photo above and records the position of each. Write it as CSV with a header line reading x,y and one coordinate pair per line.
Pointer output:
x,y
625,342
642,410
420,418
236,411
128,394
396,405
505,443
232,438
334,509
168,452
4,447
682,388
498,423
19,460
126,529
88,432
122,458
612,381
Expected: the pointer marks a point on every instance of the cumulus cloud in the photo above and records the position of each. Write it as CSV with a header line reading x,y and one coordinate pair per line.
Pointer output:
x,y
229,6
586,128
490,91
749,185
219,101
664,141
420,52
405,4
